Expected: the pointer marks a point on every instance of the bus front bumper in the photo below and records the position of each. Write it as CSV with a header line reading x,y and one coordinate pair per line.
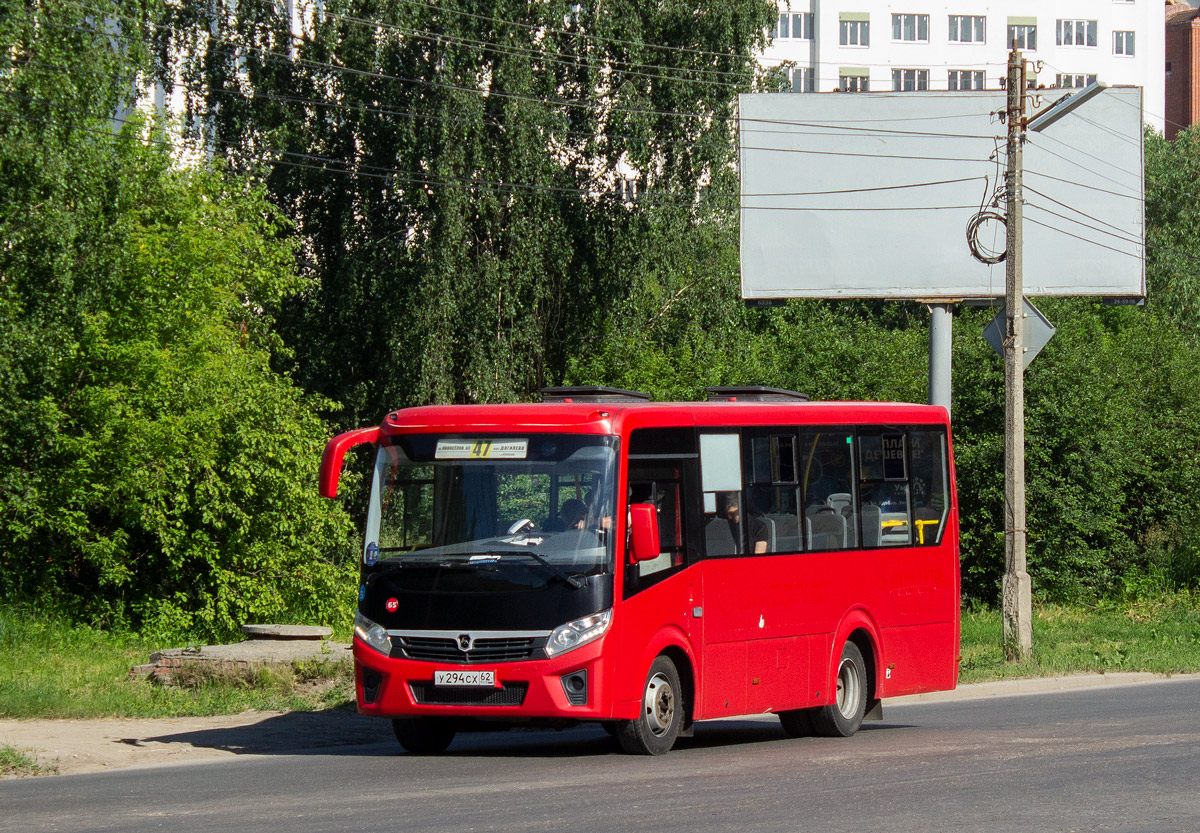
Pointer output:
x,y
567,687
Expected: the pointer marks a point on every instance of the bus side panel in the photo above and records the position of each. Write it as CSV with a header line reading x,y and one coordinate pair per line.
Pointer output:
x,y
918,607
778,670
920,658
646,624
756,652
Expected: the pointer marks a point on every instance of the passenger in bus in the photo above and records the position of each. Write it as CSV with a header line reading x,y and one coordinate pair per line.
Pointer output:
x,y
573,513
733,514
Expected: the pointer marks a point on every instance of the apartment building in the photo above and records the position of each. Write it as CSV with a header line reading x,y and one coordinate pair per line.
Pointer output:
x,y
1183,66
912,45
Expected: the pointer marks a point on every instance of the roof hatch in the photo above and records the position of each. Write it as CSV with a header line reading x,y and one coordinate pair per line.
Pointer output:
x,y
592,393
754,393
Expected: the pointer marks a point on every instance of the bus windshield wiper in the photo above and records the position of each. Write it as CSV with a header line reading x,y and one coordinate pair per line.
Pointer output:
x,y
571,580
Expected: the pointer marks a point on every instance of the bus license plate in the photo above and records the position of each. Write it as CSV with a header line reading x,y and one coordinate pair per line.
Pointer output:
x,y
465,679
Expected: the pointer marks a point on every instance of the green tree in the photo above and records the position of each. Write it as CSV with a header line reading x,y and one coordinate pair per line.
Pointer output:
x,y
454,172
154,469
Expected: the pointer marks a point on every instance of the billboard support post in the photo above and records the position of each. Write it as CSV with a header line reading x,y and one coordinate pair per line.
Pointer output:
x,y
941,332
1016,590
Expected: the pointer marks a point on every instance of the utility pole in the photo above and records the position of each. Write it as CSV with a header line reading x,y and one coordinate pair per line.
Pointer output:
x,y
1017,604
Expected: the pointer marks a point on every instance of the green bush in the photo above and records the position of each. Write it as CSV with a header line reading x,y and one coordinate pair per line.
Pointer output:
x,y
155,469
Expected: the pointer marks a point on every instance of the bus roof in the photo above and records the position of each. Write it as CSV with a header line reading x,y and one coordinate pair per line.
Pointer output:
x,y
621,417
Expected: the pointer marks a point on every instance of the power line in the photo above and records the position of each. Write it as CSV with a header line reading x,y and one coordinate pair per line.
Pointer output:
x,y
1076,210
1084,239
1122,237
1078,184
411,114
567,32
558,57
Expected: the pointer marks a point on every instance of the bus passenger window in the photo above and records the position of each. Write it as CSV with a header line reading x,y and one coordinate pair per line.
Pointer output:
x,y
931,500
826,475
884,488
772,495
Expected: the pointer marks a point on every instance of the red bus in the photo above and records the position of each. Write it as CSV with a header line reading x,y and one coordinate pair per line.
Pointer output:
x,y
601,557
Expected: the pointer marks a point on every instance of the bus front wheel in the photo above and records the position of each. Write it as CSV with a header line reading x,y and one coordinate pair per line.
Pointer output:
x,y
842,718
423,735
654,731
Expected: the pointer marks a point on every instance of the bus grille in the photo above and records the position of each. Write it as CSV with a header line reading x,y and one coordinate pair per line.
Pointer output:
x,y
426,693
439,649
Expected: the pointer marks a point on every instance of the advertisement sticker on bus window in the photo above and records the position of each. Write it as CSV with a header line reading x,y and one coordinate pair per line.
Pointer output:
x,y
893,457
481,450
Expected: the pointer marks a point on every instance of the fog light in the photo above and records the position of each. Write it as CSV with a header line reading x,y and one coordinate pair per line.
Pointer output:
x,y
370,685
575,687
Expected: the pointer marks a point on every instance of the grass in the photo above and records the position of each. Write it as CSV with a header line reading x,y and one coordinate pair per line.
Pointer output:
x,y
1160,635
15,763
50,668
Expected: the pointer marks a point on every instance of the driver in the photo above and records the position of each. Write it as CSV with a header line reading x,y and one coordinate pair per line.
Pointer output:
x,y
573,512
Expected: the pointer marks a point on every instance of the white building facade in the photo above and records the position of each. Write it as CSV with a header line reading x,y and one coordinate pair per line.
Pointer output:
x,y
912,45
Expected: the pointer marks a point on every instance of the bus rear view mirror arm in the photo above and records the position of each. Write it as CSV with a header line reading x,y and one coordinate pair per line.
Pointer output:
x,y
643,519
335,453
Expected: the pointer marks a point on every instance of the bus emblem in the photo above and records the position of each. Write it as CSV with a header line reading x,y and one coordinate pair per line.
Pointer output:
x,y
464,642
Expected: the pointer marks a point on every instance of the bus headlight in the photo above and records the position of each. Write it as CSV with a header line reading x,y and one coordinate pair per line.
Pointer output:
x,y
570,636
372,634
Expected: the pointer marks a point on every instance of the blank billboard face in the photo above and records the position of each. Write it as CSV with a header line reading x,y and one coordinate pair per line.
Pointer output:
x,y
853,195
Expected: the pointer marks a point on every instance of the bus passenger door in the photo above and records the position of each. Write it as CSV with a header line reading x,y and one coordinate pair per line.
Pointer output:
x,y
660,594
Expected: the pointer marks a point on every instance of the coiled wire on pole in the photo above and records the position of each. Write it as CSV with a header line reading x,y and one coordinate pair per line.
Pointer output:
x,y
973,225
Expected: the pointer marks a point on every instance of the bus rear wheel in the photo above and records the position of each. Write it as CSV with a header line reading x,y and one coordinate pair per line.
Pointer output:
x,y
842,718
655,730
423,735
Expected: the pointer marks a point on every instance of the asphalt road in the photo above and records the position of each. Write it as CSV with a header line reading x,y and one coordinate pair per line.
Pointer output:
x,y
1115,759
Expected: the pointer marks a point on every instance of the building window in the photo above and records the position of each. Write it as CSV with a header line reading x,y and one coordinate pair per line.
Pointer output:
x,y
910,80
1076,32
1123,43
793,26
967,28
1025,36
802,79
854,83
855,33
910,27
965,79
1030,81
1071,81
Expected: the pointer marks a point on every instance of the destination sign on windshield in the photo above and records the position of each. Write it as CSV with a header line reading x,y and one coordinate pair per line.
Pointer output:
x,y
481,449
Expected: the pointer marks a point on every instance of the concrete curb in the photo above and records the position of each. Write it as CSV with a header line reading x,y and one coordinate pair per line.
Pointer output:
x,y
1039,685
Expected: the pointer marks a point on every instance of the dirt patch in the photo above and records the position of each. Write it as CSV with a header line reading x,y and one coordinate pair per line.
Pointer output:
x,y
78,746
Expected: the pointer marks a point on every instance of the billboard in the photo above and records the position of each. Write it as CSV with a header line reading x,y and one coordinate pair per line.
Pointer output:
x,y
871,195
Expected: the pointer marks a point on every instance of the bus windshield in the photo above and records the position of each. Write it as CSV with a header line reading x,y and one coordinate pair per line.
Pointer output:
x,y
473,502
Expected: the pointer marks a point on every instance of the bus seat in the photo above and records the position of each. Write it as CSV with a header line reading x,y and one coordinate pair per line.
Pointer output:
x,y
718,538
769,525
872,525
787,533
841,501
851,526
826,531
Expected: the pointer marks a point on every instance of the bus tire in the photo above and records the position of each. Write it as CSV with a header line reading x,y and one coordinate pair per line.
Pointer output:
x,y
423,735
797,723
654,731
842,718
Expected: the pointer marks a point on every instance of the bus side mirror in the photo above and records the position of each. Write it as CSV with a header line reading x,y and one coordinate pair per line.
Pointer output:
x,y
643,525
335,452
